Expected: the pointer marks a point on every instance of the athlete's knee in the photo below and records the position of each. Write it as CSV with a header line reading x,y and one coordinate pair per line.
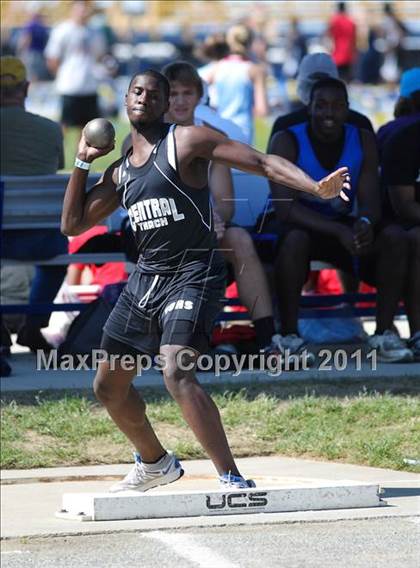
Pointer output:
x,y
177,377
107,390
104,391
240,243
179,370
238,237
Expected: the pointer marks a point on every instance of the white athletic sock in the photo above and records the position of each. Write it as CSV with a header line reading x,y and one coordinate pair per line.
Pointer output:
x,y
159,464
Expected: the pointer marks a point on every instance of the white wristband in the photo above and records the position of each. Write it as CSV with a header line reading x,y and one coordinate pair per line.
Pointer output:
x,y
366,220
81,164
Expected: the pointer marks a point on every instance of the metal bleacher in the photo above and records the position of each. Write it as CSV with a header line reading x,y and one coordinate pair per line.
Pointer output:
x,y
36,203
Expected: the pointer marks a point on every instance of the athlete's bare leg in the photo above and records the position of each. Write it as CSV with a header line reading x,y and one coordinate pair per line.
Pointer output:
x,y
127,409
199,410
239,250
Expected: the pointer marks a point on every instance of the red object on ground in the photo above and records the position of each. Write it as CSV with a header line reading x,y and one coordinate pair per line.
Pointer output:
x,y
328,282
366,289
235,333
232,292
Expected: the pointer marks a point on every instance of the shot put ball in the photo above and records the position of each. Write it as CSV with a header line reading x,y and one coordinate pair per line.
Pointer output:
x,y
99,133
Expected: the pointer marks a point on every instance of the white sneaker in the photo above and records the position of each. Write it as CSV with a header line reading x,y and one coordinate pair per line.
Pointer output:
x,y
290,346
229,481
390,348
144,476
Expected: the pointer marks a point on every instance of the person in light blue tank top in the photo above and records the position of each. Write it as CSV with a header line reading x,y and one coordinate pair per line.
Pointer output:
x,y
235,93
239,83
350,235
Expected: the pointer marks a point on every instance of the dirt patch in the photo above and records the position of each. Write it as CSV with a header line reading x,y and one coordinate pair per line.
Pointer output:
x,y
97,452
34,441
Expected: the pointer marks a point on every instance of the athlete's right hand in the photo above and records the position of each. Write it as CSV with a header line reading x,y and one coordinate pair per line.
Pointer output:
x,y
89,153
334,184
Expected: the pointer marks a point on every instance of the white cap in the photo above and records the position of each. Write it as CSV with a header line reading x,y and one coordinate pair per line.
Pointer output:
x,y
313,68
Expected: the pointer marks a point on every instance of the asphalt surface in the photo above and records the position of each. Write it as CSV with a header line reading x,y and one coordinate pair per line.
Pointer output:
x,y
392,542
375,537
30,498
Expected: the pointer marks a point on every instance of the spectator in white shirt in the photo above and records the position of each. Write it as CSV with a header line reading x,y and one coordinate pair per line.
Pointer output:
x,y
72,51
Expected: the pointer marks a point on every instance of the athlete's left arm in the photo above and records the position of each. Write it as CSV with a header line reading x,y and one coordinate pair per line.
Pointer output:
x,y
206,143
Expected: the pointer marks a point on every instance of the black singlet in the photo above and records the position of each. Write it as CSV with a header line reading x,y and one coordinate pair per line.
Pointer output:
x,y
172,222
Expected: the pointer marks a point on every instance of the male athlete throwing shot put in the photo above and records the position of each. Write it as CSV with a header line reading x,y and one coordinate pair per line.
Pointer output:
x,y
172,297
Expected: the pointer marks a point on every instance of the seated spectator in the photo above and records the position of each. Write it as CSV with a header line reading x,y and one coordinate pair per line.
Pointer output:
x,y
30,145
313,68
351,236
400,173
407,108
206,114
15,287
234,242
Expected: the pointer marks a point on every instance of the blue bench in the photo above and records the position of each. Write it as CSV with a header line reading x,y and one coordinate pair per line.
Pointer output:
x,y
36,202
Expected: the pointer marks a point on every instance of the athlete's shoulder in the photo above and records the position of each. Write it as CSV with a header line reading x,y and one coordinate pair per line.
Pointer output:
x,y
195,132
208,125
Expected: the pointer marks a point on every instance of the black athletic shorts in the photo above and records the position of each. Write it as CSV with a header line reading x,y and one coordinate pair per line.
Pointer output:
x,y
78,110
175,309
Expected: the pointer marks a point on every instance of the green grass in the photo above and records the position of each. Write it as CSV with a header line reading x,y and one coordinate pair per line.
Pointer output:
x,y
375,429
262,132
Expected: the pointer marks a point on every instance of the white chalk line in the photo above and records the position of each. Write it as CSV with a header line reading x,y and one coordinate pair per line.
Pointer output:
x,y
183,545
15,552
